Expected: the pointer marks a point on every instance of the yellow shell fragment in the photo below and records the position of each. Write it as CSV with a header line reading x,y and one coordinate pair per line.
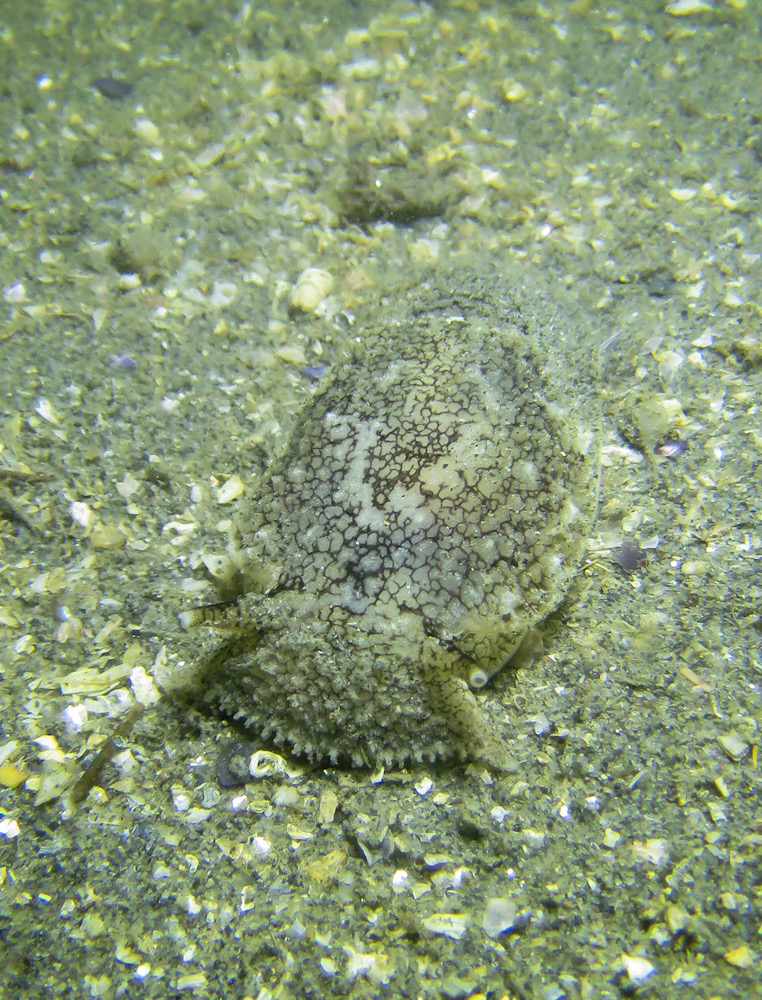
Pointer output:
x,y
328,867
107,536
513,90
294,355
329,803
88,680
742,957
11,775
311,287
230,490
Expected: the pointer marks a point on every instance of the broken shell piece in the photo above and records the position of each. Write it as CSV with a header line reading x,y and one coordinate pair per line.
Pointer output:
x,y
671,448
230,490
733,745
219,565
451,925
311,287
499,916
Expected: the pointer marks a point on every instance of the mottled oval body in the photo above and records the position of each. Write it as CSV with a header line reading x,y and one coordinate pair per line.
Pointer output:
x,y
431,507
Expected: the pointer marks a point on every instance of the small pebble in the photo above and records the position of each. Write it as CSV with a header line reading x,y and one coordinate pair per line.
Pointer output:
x,y
113,87
124,361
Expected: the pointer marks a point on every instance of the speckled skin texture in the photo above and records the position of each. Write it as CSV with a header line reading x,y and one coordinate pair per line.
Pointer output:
x,y
431,506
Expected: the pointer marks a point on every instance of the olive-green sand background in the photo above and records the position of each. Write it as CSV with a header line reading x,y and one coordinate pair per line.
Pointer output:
x,y
167,173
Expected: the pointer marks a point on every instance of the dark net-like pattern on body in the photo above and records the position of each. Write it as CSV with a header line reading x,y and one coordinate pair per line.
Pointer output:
x,y
430,507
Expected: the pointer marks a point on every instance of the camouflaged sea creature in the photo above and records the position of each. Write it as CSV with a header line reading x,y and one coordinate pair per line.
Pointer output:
x,y
430,507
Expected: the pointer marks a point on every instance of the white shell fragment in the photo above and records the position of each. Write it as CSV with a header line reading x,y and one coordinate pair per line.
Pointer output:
x,y
637,968
146,130
223,294
654,851
15,294
451,925
81,514
9,829
499,916
143,687
127,487
683,8
219,564
45,409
